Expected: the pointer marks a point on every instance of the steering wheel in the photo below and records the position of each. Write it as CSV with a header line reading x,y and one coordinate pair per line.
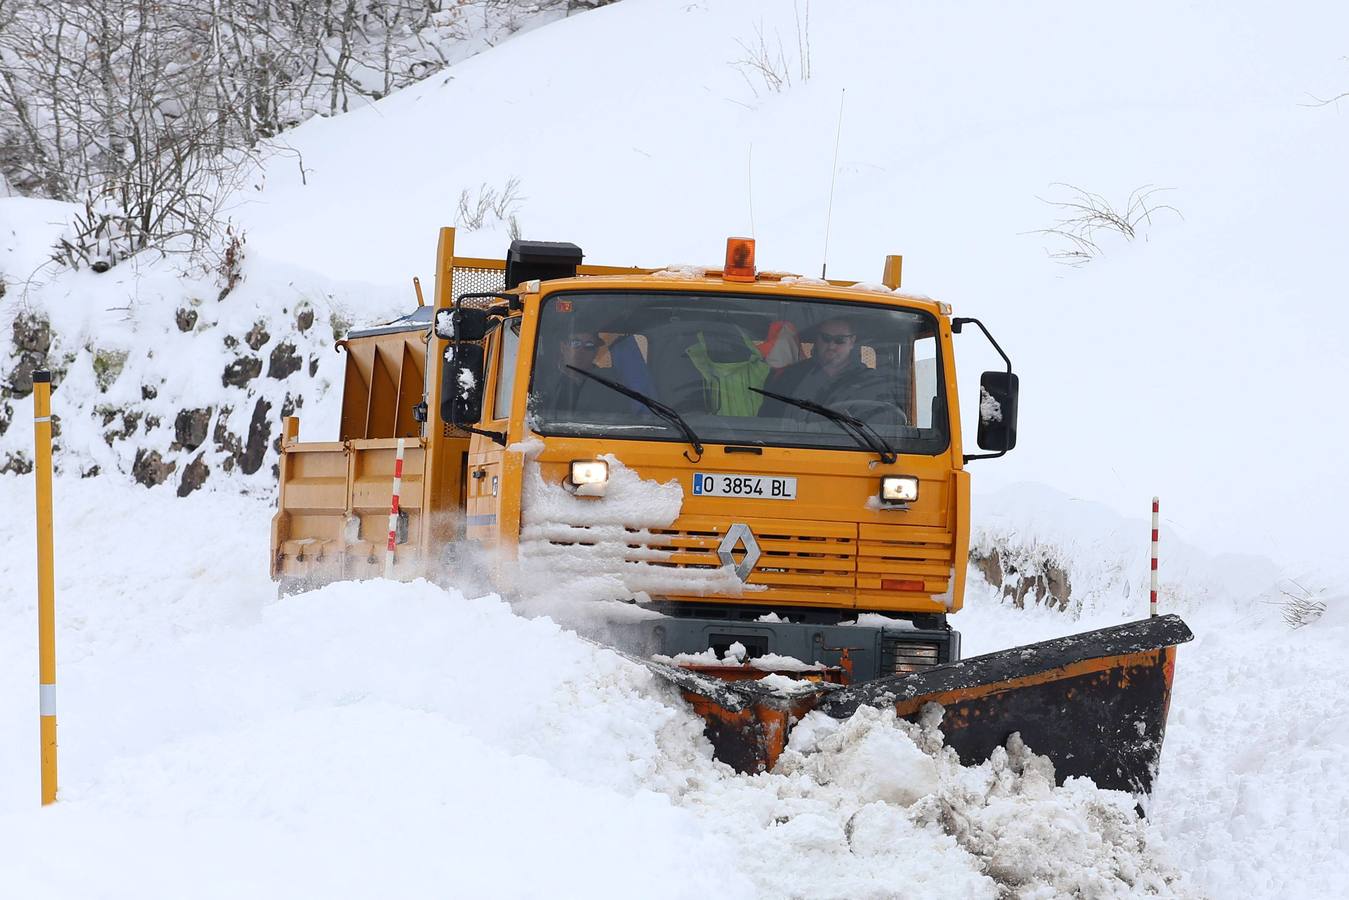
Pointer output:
x,y
879,414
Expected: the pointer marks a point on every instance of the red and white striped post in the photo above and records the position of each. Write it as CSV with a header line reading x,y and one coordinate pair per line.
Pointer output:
x,y
393,509
1152,604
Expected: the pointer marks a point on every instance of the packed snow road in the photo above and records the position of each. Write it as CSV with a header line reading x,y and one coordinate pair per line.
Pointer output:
x,y
381,738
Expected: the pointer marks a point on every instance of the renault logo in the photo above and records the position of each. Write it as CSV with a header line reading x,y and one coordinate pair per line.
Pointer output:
x,y
739,533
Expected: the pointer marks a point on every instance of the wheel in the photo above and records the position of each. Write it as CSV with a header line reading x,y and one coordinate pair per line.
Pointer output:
x,y
462,569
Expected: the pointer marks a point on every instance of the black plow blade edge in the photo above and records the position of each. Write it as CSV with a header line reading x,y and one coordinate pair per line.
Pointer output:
x,y
1095,703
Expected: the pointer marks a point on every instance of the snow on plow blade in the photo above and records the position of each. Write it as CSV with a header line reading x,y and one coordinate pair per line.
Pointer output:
x,y
1095,703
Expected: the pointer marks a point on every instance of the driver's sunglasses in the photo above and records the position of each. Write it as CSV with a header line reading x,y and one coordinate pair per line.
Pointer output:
x,y
836,338
581,344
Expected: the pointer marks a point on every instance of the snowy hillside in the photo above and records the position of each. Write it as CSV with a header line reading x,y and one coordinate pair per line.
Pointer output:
x,y
1157,368
406,740
643,132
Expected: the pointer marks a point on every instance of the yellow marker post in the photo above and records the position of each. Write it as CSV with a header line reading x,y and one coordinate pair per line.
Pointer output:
x,y
46,601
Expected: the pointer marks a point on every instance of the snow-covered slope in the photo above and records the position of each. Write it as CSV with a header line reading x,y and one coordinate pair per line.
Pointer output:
x,y
1182,364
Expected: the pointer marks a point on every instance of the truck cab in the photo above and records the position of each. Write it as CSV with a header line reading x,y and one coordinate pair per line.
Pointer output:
x,y
774,465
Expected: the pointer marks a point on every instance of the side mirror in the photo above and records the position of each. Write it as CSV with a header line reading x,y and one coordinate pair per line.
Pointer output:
x,y
997,411
461,324
461,385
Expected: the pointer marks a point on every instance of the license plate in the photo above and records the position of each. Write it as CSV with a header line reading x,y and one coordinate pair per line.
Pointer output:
x,y
758,487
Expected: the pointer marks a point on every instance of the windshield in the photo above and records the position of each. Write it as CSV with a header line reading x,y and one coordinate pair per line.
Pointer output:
x,y
707,357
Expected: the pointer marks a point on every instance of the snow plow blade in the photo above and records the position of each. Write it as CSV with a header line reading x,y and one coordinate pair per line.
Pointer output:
x,y
1095,703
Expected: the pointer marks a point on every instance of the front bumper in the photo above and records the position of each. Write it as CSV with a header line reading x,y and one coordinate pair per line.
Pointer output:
x,y
873,652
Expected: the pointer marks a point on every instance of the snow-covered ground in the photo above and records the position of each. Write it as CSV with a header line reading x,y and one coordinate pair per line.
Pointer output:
x,y
379,737
373,738
407,740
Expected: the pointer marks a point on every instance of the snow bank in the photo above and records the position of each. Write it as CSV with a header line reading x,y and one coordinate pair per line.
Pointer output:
x,y
877,807
1252,767
377,736
358,739
1037,531
1252,790
160,376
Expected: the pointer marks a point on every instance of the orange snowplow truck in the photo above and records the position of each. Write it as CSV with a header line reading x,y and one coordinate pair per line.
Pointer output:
x,y
771,466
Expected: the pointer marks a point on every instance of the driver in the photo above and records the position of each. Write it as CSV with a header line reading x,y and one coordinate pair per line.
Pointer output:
x,y
833,375
560,389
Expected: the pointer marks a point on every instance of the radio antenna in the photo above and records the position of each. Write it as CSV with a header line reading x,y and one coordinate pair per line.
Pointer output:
x,y
750,178
833,177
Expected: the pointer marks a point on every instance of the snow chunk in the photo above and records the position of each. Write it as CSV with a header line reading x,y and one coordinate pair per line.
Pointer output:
x,y
706,658
684,272
787,684
870,753
1032,838
876,620
467,382
735,656
778,662
990,410
871,286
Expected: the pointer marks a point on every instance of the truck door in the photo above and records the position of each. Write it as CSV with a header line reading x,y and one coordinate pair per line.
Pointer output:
x,y
485,490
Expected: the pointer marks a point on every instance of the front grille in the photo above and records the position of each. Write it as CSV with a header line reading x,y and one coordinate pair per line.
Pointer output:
x,y
799,562
904,553
899,656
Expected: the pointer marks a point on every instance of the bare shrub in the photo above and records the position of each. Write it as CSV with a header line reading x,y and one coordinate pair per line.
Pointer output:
x,y
1300,606
766,65
1084,216
475,211
1327,101
95,239
230,265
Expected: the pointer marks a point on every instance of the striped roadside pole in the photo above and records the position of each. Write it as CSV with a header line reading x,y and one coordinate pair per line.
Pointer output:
x,y
1152,604
393,509
46,592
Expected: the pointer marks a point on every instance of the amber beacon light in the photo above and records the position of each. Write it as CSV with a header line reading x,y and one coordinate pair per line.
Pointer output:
x,y
739,259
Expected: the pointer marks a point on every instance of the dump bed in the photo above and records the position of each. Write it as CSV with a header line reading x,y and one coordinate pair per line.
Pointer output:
x,y
332,519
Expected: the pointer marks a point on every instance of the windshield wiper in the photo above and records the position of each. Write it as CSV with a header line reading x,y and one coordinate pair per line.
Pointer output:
x,y
860,431
665,412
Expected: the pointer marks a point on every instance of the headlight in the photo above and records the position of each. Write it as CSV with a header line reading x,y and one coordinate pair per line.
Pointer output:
x,y
899,489
589,471
589,476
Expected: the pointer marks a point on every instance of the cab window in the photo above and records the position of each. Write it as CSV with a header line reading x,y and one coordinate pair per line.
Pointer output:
x,y
509,343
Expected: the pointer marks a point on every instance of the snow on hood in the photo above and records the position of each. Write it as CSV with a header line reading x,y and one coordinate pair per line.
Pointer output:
x,y
578,550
